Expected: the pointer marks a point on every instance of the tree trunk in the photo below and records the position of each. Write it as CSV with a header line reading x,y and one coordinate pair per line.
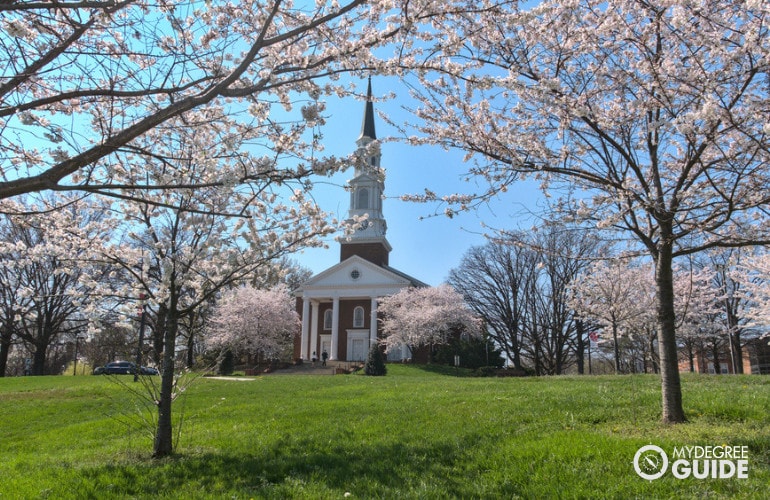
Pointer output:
x,y
38,360
515,345
671,388
580,348
617,348
158,333
691,355
737,352
5,350
191,341
653,355
734,336
164,436
517,359
715,354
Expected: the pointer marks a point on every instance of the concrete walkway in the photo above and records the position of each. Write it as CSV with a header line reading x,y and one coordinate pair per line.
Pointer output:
x,y
238,379
303,369
317,368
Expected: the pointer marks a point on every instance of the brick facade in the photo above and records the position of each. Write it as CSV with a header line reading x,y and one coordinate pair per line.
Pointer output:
x,y
376,253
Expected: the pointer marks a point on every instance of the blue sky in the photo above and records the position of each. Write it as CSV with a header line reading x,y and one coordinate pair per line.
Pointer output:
x,y
426,249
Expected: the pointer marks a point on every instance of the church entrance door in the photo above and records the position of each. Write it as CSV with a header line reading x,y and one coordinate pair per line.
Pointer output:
x,y
326,345
358,345
359,350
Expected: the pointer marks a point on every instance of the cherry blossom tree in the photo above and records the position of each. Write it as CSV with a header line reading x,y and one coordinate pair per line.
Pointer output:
x,y
733,305
754,276
251,320
656,110
183,249
425,316
178,252
619,295
615,295
47,282
84,81
701,324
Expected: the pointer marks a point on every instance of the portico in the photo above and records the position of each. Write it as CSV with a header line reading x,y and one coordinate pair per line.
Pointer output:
x,y
356,340
339,308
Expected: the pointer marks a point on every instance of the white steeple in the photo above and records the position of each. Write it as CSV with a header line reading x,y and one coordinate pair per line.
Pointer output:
x,y
367,187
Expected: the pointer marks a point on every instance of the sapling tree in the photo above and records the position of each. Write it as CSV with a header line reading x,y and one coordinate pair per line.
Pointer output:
x,y
188,245
425,316
656,110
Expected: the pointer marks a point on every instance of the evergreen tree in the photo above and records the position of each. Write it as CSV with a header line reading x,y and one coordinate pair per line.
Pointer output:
x,y
375,362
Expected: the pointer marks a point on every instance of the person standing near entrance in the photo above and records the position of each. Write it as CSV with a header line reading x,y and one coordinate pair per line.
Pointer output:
x,y
324,357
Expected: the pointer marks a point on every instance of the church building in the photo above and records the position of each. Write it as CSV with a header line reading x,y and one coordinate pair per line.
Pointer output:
x,y
338,306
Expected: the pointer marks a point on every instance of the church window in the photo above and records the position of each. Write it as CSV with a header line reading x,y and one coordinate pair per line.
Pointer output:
x,y
363,198
358,317
328,319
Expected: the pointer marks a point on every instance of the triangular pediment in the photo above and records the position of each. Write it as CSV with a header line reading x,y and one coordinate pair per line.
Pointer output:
x,y
353,277
355,271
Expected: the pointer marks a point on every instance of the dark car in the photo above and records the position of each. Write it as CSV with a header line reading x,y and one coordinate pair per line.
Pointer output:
x,y
124,368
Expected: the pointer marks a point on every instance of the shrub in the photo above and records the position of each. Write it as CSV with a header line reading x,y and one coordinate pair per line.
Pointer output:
x,y
474,353
486,371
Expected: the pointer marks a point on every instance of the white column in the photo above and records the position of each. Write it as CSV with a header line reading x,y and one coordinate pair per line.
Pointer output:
x,y
335,327
314,306
373,324
303,351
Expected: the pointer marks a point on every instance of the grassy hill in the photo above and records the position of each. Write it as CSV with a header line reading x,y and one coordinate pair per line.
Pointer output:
x,y
411,434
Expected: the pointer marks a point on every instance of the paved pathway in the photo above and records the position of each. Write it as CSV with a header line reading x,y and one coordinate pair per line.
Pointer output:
x,y
238,379
303,369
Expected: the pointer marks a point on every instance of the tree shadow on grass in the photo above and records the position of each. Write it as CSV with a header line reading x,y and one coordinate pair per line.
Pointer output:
x,y
293,470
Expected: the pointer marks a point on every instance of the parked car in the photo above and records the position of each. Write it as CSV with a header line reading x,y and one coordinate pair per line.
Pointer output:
x,y
124,368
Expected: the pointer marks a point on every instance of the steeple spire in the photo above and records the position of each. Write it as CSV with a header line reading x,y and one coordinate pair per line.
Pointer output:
x,y
367,127
366,194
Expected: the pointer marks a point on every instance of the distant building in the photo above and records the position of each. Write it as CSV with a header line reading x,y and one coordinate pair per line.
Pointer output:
x,y
755,353
338,306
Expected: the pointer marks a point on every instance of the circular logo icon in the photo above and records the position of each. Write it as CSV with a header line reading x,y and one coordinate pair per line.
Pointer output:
x,y
650,462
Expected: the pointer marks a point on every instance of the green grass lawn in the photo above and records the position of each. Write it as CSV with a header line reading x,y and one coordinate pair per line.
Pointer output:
x,y
411,434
